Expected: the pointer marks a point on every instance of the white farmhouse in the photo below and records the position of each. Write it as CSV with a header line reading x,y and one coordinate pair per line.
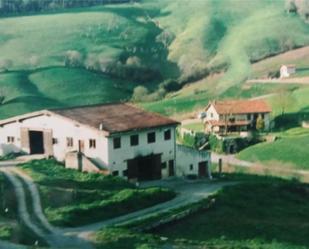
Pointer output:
x,y
117,139
236,115
287,70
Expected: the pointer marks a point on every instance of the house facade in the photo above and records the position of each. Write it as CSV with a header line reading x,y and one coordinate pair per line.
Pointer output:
x,y
287,70
117,139
236,116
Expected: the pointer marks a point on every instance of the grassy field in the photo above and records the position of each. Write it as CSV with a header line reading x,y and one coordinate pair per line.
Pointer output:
x,y
199,127
256,214
72,198
289,151
161,36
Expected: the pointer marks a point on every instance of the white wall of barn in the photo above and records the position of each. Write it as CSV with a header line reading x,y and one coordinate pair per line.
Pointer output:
x,y
118,157
61,129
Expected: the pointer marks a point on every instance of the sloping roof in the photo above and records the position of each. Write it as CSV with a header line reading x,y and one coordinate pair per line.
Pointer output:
x,y
115,118
289,66
111,118
240,106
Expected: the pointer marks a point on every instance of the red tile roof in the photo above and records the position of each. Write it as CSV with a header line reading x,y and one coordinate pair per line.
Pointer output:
x,y
240,106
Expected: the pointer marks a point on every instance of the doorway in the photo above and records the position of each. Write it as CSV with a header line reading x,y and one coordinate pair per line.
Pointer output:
x,y
81,146
171,170
145,168
36,142
202,169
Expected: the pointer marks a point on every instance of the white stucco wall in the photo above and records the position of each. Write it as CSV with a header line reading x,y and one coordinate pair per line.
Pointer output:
x,y
211,114
61,128
104,153
118,157
188,160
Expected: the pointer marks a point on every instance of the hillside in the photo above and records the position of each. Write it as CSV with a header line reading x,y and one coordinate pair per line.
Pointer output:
x,y
100,54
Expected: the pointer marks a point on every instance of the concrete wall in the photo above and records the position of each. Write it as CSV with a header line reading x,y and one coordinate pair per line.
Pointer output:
x,y
118,157
188,160
104,154
61,129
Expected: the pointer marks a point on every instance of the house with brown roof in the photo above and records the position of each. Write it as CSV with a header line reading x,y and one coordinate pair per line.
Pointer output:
x,y
236,115
117,139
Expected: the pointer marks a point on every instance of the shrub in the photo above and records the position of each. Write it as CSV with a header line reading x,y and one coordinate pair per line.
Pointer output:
x,y
139,93
73,58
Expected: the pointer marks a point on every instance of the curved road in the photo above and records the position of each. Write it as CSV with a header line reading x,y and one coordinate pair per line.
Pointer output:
x,y
188,192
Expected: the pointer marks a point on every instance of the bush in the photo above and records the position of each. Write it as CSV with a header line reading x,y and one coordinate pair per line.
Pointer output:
x,y
52,173
122,202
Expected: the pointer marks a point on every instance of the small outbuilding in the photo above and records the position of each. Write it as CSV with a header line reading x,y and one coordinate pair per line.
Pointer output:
x,y
287,70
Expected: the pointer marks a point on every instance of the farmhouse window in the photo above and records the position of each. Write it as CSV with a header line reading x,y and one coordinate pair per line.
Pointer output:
x,y
11,139
117,142
191,167
263,115
151,137
55,140
116,173
70,142
134,140
167,135
249,116
92,143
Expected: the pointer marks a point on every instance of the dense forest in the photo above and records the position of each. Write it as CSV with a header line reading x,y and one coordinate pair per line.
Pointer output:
x,y
28,6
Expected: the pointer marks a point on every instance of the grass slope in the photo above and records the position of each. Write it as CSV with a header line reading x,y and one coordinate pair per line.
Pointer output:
x,y
260,213
219,35
72,198
289,151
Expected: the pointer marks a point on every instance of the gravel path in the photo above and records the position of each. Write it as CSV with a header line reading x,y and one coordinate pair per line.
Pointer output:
x,y
54,237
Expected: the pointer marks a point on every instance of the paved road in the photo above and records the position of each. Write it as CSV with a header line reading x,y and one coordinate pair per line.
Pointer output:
x,y
295,80
230,159
188,192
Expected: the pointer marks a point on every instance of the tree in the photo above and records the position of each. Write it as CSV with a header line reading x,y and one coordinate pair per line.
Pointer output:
x,y
139,93
283,100
134,61
303,8
2,96
260,123
34,61
5,64
73,58
290,6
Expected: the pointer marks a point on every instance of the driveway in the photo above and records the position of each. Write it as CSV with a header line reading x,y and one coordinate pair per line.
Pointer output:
x,y
187,192
229,159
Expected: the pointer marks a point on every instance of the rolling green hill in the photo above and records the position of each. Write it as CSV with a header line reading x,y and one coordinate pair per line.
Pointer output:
x,y
100,54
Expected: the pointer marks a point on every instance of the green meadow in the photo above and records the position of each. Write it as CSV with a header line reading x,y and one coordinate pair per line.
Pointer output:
x,y
144,43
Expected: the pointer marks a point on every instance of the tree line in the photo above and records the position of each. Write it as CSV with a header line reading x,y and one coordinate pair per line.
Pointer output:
x,y
30,6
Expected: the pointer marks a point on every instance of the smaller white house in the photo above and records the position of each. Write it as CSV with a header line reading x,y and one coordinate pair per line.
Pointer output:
x,y
287,70
236,116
